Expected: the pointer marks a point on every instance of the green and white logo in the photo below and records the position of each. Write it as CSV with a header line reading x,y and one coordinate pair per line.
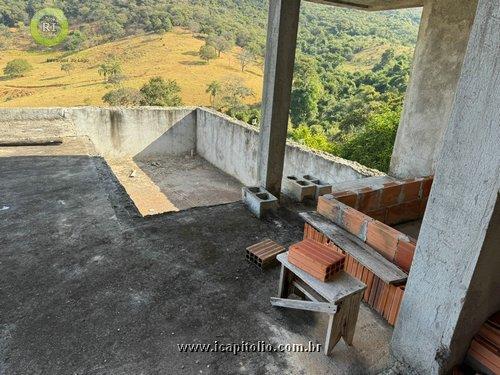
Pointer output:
x,y
49,27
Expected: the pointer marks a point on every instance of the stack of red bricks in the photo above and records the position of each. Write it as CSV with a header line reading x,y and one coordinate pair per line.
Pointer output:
x,y
484,350
384,298
392,202
320,261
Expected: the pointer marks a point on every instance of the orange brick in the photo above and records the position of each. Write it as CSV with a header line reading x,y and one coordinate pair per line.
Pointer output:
x,y
379,214
349,198
390,194
383,238
423,206
404,255
404,212
426,186
330,208
354,222
411,189
368,199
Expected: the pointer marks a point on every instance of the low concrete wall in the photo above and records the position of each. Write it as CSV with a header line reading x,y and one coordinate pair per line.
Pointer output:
x,y
117,132
230,145
233,146
138,132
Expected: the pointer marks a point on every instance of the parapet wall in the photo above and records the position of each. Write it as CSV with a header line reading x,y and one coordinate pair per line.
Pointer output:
x,y
154,132
233,147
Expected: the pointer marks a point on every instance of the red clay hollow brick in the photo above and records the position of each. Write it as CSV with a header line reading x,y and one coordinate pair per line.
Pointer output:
x,y
404,212
355,222
349,198
379,214
404,255
368,199
390,194
383,238
411,189
426,186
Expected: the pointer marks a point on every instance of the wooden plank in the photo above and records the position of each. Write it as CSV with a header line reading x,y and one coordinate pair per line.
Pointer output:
x,y
363,253
323,307
307,291
340,287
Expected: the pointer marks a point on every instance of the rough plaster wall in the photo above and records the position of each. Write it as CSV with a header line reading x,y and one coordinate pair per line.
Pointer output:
x,y
442,40
233,147
442,308
137,132
230,145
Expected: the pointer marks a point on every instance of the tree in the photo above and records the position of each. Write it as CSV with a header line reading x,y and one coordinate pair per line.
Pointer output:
x,y
75,41
372,146
213,89
159,23
307,90
222,43
245,57
207,52
158,92
17,68
67,67
235,92
111,70
124,96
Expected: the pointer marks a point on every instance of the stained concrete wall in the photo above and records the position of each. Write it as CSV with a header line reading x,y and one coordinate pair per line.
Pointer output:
x,y
233,147
137,132
117,132
442,41
230,145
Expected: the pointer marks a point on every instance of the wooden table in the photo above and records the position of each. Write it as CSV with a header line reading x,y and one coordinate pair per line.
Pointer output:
x,y
339,298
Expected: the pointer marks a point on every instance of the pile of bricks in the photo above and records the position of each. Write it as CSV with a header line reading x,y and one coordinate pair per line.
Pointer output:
x,y
390,243
384,298
392,202
263,254
484,351
320,261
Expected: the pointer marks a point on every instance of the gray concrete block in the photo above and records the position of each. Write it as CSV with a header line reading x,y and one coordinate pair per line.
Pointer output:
x,y
298,189
259,201
322,187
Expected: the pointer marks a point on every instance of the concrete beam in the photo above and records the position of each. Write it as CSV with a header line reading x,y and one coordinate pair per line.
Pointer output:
x,y
454,280
442,41
278,75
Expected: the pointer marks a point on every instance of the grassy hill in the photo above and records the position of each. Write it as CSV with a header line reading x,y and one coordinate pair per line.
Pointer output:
x,y
173,55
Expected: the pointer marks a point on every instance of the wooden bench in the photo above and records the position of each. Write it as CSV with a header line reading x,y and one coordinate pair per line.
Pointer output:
x,y
385,281
339,298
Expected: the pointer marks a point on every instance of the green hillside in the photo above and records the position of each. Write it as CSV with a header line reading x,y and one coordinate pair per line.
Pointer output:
x,y
351,71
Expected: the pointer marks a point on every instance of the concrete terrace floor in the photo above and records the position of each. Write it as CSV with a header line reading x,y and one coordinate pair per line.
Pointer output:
x,y
87,286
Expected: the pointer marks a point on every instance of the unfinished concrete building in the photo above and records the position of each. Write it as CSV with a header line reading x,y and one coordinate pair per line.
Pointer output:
x,y
123,234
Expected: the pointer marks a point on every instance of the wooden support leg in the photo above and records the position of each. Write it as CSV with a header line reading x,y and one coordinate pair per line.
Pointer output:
x,y
334,332
352,305
284,284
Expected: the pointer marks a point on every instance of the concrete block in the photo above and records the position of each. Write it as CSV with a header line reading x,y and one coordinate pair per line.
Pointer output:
x,y
322,187
298,189
259,201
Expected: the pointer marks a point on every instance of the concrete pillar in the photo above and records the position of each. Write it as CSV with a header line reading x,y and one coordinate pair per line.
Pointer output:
x,y
278,75
454,281
442,40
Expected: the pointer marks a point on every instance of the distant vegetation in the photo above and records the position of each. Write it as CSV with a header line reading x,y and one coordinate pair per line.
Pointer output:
x,y
350,77
17,68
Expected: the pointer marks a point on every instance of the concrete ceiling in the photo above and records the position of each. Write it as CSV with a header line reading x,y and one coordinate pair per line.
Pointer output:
x,y
372,4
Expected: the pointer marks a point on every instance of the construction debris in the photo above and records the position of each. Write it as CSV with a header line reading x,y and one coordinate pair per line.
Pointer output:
x,y
264,253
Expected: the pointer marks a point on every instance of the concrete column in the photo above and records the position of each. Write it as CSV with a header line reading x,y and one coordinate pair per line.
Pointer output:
x,y
454,281
442,41
278,75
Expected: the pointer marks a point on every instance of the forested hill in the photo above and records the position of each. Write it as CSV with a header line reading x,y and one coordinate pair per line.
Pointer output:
x,y
351,72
